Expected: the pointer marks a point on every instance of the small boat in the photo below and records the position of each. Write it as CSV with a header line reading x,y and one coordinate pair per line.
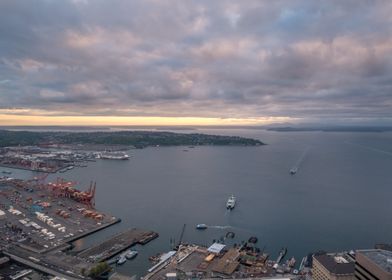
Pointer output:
x,y
292,262
155,259
113,261
130,254
230,204
293,170
282,254
201,226
7,172
253,239
121,260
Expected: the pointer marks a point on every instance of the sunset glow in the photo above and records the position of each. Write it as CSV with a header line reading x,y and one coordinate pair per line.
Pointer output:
x,y
15,120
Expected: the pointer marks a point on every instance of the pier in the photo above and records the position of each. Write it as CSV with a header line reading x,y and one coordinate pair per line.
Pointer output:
x,y
117,244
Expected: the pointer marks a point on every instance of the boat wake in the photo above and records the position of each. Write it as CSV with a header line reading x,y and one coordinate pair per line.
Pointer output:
x,y
295,168
370,148
221,227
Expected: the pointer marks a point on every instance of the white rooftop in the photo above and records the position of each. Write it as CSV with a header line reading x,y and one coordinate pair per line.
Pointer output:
x,y
216,248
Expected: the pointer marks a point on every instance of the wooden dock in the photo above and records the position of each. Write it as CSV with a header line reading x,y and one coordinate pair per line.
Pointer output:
x,y
117,244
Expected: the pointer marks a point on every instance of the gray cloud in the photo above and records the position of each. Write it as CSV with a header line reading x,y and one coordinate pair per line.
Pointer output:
x,y
290,58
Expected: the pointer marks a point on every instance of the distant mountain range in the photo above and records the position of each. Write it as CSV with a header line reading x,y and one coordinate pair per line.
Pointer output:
x,y
331,128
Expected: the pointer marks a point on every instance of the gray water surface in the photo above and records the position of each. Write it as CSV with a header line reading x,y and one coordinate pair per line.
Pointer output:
x,y
340,199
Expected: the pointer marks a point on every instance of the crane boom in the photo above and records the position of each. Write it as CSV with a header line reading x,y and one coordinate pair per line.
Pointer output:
x,y
182,234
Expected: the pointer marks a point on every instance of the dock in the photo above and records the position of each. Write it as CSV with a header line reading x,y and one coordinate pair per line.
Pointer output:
x,y
117,244
214,262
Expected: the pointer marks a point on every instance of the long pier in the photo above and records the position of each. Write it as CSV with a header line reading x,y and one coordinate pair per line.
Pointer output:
x,y
117,244
82,235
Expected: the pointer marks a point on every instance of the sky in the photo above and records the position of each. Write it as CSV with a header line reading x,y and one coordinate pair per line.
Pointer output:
x,y
158,62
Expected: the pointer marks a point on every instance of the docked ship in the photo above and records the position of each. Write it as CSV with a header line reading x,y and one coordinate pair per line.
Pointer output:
x,y
113,155
292,262
121,260
130,254
282,254
230,204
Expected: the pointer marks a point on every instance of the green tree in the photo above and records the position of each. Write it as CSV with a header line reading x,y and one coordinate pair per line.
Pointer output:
x,y
99,269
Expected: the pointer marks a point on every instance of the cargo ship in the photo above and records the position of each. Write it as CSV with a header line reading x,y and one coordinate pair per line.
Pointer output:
x,y
113,155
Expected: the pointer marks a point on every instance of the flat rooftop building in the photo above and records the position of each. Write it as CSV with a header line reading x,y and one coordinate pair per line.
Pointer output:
x,y
374,264
333,267
4,261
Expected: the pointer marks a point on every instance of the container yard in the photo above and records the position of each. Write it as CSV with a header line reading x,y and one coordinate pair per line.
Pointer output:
x,y
39,220
41,216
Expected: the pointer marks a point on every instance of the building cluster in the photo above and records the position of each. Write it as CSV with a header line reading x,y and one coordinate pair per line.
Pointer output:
x,y
191,261
41,159
372,264
217,262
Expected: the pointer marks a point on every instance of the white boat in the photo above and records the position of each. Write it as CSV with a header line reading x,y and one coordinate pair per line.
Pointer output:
x,y
230,204
113,155
130,254
121,260
201,226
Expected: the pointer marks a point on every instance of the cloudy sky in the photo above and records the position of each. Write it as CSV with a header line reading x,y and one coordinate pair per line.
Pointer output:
x,y
179,62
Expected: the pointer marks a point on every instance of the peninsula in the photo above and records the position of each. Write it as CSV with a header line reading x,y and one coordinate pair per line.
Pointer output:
x,y
138,139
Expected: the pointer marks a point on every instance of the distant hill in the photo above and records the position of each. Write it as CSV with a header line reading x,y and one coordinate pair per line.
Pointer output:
x,y
139,139
332,128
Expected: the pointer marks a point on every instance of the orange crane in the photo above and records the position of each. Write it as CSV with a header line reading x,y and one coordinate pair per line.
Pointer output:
x,y
67,189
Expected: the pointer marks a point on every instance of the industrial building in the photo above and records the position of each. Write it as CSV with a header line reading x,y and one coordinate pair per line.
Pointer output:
x,y
374,264
339,266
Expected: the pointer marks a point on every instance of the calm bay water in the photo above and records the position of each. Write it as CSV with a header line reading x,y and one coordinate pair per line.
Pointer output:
x,y
340,198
